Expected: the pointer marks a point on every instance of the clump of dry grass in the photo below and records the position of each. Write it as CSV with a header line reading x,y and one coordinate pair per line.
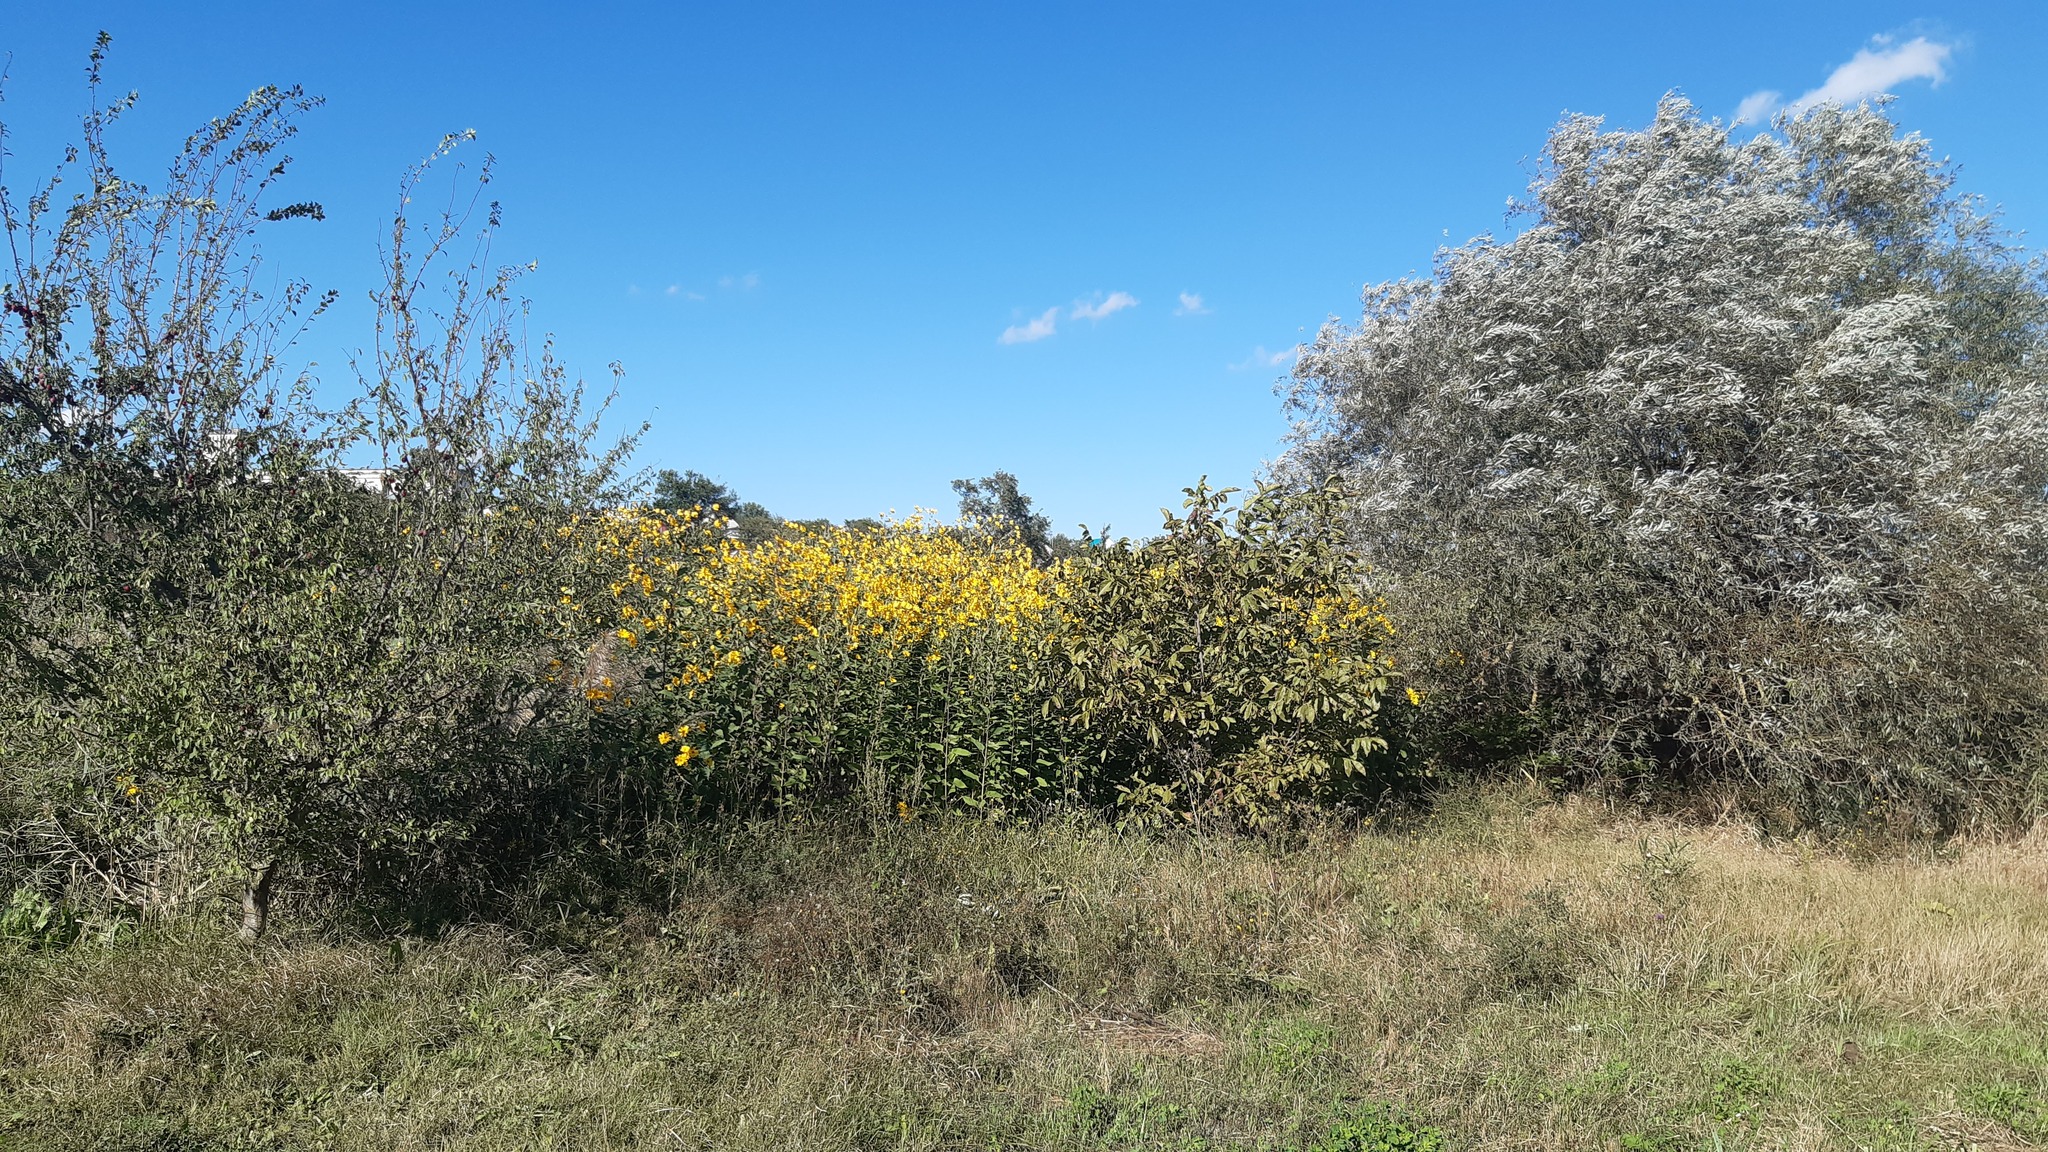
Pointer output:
x,y
1513,973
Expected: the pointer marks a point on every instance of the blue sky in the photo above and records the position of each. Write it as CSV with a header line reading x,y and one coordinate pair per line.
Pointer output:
x,y
846,255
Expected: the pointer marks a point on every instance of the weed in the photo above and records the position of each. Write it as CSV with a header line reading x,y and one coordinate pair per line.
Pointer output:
x,y
1138,1119
2016,1107
1738,1091
33,921
1539,948
1664,867
1289,1046
1378,1128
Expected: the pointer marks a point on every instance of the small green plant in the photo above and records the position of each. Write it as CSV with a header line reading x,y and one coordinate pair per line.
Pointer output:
x,y
1110,1120
1540,948
1610,1080
2013,1106
1664,864
1739,1090
1292,1045
34,921
1377,1128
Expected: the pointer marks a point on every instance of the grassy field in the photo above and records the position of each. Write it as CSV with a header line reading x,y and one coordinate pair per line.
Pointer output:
x,y
1505,973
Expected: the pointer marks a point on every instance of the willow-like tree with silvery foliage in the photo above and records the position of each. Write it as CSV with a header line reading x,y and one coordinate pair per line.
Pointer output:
x,y
1727,464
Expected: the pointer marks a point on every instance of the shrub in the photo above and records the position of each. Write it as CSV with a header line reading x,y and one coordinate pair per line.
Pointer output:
x,y
1229,664
236,659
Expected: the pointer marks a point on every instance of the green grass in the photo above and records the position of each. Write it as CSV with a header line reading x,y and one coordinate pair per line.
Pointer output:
x,y
1506,974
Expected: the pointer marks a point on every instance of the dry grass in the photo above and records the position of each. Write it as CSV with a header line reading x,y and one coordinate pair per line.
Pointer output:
x,y
1515,974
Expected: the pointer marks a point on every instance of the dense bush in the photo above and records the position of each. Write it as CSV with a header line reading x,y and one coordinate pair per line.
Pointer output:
x,y
1230,663
1730,464
222,655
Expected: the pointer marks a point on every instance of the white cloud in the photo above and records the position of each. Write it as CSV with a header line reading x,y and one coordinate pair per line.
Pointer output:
x,y
1871,72
1879,68
1191,305
747,283
674,288
1754,109
1103,306
1038,329
1260,358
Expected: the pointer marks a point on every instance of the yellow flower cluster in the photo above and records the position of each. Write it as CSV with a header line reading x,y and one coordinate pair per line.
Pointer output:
x,y
827,605
906,584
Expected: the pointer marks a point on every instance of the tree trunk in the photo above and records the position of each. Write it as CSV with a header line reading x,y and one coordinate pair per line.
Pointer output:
x,y
256,900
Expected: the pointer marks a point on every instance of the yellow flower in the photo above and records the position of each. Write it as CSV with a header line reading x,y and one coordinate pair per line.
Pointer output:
x,y
665,737
1415,697
685,756
626,634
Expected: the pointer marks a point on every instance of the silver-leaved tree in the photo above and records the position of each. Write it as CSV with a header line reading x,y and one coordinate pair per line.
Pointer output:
x,y
1728,465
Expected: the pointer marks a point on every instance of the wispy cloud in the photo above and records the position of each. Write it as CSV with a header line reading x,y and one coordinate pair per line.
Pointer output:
x,y
1102,306
1879,68
1260,358
747,283
1758,106
1044,325
1191,305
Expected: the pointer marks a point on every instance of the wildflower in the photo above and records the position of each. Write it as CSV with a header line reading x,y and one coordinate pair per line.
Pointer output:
x,y
686,755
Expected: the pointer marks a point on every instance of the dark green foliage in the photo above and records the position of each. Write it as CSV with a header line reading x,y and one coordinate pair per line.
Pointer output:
x,y
677,492
995,504
1377,1128
226,656
1230,663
